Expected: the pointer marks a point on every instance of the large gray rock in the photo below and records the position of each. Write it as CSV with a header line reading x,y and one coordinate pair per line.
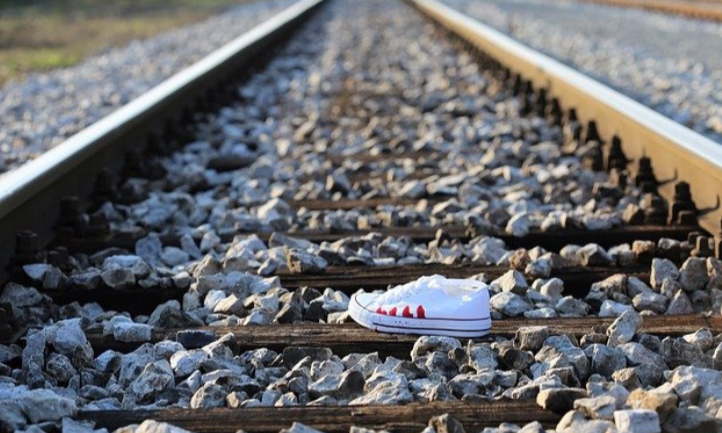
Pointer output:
x,y
33,358
132,364
130,332
155,377
601,407
118,278
481,357
637,421
605,360
346,386
512,281
663,403
186,362
690,420
149,249
677,352
680,304
432,343
470,384
169,315
693,274
554,288
302,262
650,301
696,385
593,255
531,337
446,424
558,351
41,405
559,400
60,367
135,264
68,338
209,396
662,269
509,304
385,391
623,329
20,296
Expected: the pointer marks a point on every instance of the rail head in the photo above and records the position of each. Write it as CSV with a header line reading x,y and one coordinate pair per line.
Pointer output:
x,y
29,195
677,153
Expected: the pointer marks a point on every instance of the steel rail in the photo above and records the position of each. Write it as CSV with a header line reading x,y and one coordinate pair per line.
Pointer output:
x,y
677,153
30,196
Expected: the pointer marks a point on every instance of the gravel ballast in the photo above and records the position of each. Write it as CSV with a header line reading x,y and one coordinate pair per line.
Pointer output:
x,y
611,378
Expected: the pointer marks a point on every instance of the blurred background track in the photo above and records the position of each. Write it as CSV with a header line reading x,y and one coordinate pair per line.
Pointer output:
x,y
703,9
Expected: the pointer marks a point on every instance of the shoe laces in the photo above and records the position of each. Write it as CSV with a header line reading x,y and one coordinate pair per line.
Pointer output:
x,y
407,290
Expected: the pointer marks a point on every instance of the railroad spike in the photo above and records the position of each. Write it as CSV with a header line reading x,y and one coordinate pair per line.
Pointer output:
x,y
592,133
655,212
692,237
98,225
27,250
572,128
594,159
702,247
104,187
155,145
687,218
645,173
133,164
70,219
541,102
516,85
649,187
554,113
526,105
171,135
682,201
616,158
60,258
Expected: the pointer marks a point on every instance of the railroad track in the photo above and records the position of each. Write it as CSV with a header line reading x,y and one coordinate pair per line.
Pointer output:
x,y
269,182
700,9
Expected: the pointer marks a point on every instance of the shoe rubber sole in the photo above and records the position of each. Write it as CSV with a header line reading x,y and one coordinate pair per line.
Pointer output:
x,y
467,328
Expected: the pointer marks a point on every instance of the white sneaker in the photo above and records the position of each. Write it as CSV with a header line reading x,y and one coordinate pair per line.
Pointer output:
x,y
428,306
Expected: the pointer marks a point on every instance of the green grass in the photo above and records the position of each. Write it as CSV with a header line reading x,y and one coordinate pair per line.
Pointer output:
x,y
40,35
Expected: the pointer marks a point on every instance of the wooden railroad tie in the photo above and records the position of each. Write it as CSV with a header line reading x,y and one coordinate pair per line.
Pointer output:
x,y
347,338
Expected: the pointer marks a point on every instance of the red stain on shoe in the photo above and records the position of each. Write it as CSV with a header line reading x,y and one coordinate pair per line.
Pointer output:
x,y
407,312
380,311
420,312
392,312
